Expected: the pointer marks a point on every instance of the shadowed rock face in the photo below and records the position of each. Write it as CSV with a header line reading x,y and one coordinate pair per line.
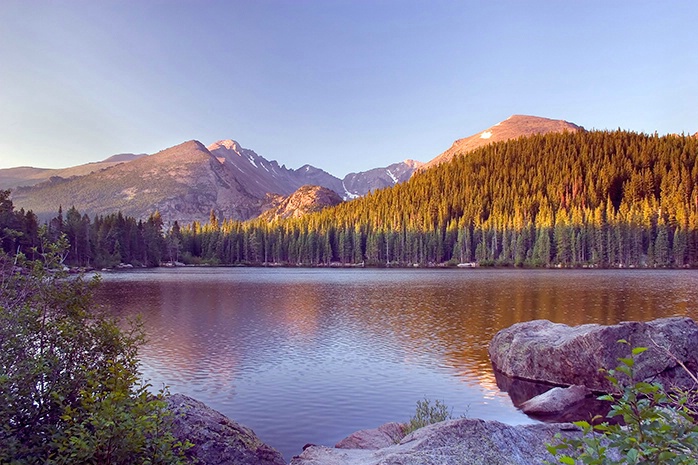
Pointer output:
x,y
454,442
563,355
217,439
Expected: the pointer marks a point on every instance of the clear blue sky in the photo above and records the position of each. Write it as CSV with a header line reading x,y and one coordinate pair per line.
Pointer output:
x,y
342,85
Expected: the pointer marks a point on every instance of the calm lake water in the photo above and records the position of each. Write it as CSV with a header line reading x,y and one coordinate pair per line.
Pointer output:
x,y
312,355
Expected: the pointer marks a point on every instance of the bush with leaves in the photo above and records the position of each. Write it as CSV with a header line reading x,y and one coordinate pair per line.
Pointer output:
x,y
427,413
69,381
657,427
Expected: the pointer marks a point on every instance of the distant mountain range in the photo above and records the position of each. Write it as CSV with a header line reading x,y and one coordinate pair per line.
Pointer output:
x,y
188,181
28,176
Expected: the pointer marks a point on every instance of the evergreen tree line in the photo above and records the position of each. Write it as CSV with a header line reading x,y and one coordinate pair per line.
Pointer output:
x,y
599,198
104,241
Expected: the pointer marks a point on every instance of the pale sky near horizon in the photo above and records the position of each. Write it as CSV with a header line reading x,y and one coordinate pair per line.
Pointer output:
x,y
344,85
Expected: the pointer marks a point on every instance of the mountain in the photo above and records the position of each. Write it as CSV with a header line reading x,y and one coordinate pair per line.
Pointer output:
x,y
29,176
511,128
359,184
307,199
183,183
272,178
567,199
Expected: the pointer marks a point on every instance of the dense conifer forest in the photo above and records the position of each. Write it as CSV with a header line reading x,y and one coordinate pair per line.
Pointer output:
x,y
597,198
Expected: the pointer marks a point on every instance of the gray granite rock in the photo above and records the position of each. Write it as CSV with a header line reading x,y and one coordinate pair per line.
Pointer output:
x,y
454,442
376,438
555,401
572,355
217,439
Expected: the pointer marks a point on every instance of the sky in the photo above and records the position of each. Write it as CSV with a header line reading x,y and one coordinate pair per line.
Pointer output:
x,y
345,86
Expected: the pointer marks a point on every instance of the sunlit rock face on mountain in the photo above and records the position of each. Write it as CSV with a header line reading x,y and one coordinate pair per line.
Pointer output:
x,y
511,128
183,183
307,199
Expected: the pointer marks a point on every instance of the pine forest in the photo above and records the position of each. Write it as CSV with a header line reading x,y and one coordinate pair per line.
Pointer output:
x,y
586,199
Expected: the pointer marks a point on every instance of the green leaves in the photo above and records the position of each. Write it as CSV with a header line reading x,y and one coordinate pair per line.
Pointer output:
x,y
656,430
69,391
427,413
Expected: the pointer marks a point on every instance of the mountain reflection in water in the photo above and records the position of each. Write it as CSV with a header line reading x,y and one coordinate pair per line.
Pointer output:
x,y
311,355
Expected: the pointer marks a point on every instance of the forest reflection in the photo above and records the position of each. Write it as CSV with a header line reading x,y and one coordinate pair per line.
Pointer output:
x,y
445,322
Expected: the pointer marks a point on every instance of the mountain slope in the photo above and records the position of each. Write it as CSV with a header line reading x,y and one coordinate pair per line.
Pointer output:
x,y
511,128
359,184
29,176
184,183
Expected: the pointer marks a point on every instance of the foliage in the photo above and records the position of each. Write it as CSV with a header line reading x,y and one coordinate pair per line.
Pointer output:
x,y
69,380
427,414
657,427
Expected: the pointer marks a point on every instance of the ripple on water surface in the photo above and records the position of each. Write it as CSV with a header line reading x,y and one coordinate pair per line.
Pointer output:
x,y
309,356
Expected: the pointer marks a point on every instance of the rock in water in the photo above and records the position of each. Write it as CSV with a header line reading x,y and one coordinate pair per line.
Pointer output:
x,y
555,401
454,442
565,355
217,439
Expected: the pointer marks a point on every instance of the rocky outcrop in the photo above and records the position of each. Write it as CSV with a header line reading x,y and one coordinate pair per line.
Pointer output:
x,y
453,442
305,200
384,436
217,439
564,355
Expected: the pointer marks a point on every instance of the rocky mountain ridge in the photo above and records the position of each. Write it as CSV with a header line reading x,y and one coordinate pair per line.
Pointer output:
x,y
188,181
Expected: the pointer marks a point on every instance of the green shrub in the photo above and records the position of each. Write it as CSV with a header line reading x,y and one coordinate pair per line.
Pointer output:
x,y
427,414
70,390
657,427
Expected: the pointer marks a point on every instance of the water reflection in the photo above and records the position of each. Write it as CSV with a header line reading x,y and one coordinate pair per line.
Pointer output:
x,y
312,355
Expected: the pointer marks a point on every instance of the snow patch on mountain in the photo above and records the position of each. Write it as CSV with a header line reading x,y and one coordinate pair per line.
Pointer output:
x,y
348,195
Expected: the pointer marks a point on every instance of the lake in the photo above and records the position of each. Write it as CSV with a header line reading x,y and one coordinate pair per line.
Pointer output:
x,y
312,355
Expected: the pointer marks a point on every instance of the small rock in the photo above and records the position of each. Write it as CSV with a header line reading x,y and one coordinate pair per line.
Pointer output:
x,y
555,401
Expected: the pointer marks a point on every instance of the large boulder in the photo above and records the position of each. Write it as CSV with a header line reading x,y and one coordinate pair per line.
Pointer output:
x,y
454,442
375,438
217,439
567,355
